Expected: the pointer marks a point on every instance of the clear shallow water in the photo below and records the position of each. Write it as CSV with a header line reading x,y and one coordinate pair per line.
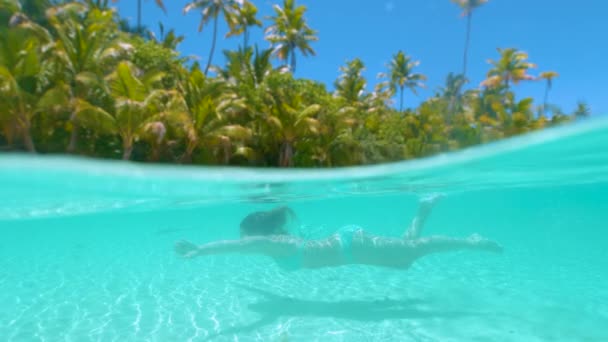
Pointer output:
x,y
86,249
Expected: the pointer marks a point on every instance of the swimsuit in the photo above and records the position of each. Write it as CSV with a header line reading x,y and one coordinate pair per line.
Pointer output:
x,y
346,235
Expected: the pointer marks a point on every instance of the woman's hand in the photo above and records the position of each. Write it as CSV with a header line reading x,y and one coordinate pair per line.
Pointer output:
x,y
186,249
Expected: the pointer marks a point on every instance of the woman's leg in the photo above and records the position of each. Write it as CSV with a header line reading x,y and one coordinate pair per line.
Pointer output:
x,y
424,209
438,244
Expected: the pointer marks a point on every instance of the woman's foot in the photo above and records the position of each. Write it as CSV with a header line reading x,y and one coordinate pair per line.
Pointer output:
x,y
427,203
425,206
431,199
485,244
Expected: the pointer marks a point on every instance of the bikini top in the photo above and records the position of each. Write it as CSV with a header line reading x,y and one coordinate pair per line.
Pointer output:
x,y
346,235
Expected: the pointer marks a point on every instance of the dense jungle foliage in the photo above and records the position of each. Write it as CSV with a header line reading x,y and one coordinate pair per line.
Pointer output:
x,y
75,78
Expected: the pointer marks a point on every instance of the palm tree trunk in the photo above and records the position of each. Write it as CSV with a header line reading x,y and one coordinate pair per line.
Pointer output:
x,y
25,126
546,99
293,60
286,155
127,150
212,45
138,15
401,99
73,139
73,135
466,45
27,140
227,155
245,38
9,131
186,158
451,108
155,152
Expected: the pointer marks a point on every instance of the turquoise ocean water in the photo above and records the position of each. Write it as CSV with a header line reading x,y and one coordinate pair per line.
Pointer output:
x,y
86,248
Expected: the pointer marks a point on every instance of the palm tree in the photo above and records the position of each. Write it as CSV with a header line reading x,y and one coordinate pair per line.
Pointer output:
x,y
582,110
136,104
336,143
210,10
98,4
468,6
159,3
11,7
549,76
202,118
288,120
261,65
512,67
452,93
20,69
86,47
351,84
246,67
401,75
521,117
290,32
246,16
24,71
168,40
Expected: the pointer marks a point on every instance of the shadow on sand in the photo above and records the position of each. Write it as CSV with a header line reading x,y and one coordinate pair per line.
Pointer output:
x,y
273,307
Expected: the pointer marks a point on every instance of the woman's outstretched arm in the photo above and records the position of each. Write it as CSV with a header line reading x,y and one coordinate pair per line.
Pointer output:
x,y
273,246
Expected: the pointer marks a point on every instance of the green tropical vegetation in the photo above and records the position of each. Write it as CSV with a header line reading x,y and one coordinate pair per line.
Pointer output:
x,y
74,78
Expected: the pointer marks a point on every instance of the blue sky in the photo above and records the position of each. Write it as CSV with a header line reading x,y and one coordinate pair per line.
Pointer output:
x,y
564,36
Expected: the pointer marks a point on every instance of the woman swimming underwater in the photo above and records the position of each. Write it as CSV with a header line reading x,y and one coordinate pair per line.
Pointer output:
x,y
350,245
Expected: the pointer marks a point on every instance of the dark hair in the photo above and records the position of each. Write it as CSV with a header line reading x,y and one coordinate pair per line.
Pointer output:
x,y
263,223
